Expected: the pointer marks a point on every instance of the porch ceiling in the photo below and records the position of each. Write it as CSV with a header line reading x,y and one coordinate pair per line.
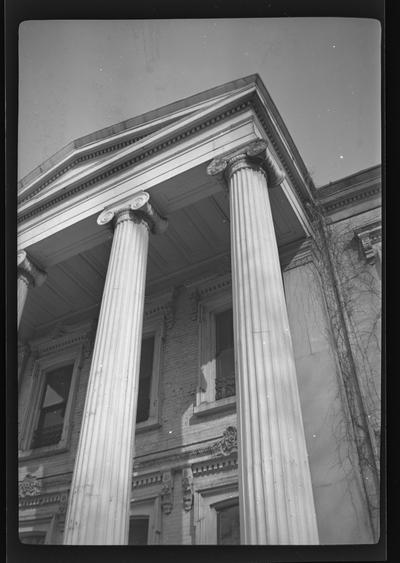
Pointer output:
x,y
196,241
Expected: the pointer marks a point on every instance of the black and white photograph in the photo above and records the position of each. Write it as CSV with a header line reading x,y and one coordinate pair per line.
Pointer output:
x,y
199,282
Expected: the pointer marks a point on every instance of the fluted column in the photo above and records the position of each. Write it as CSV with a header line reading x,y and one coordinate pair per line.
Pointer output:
x,y
29,275
276,499
98,511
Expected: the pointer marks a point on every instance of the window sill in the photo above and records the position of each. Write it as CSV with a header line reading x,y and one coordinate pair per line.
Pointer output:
x,y
223,405
44,451
151,424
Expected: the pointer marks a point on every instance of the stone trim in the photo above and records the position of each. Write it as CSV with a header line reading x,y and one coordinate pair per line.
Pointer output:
x,y
141,481
207,467
224,446
38,500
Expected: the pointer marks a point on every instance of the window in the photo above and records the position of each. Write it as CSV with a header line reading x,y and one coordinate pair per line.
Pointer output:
x,y
53,404
216,388
145,376
224,355
47,402
145,521
139,530
216,512
228,527
148,407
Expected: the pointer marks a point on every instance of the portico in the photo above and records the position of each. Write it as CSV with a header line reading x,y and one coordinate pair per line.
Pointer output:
x,y
223,174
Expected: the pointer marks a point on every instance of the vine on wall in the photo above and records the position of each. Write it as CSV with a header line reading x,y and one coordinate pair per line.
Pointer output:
x,y
352,299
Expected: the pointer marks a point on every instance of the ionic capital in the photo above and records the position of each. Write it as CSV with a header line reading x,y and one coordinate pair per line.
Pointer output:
x,y
255,155
138,210
32,273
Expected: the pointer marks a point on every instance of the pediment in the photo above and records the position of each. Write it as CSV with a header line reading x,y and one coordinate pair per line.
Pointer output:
x,y
91,159
98,147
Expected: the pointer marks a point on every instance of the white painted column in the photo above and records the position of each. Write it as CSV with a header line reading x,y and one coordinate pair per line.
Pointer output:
x,y
276,499
29,275
98,511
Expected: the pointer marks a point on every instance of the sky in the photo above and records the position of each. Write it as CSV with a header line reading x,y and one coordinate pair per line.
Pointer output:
x,y
323,74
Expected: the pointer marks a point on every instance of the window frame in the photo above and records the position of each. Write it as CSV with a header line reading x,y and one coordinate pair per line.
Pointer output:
x,y
206,402
69,356
147,507
154,327
34,527
206,503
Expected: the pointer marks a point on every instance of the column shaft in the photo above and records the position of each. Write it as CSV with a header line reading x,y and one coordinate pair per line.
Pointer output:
x,y
22,293
98,511
276,498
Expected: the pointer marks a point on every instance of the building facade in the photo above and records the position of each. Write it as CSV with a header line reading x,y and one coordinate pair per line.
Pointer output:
x,y
199,336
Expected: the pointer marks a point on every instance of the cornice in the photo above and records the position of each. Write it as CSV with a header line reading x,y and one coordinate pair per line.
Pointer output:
x,y
107,170
349,190
351,198
275,130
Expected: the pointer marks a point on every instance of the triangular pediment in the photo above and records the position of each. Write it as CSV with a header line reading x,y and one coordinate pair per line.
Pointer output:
x,y
107,152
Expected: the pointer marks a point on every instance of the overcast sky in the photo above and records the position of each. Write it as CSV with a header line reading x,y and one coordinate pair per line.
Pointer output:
x,y
323,75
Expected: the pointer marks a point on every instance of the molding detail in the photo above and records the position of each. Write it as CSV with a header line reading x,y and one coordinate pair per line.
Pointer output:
x,y
30,486
60,498
227,444
223,447
216,466
369,236
187,488
167,492
146,480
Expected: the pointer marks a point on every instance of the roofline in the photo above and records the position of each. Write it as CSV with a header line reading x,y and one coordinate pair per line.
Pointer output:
x,y
331,187
131,123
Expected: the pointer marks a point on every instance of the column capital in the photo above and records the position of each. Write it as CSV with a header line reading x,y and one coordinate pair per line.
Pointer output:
x,y
138,209
33,273
255,155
